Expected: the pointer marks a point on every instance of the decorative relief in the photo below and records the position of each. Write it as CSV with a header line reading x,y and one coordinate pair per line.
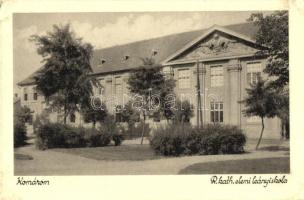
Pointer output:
x,y
218,46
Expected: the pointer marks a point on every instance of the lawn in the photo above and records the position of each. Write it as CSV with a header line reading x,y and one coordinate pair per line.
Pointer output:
x,y
252,166
124,152
19,156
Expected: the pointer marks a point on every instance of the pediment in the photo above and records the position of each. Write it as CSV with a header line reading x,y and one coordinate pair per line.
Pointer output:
x,y
216,45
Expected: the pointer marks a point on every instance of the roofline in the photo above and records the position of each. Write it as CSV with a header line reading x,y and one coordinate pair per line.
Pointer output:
x,y
208,32
211,59
26,84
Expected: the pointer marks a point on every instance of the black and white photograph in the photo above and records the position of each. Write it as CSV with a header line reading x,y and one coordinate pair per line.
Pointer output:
x,y
151,93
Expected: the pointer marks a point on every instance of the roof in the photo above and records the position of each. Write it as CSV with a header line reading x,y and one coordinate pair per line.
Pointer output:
x,y
165,46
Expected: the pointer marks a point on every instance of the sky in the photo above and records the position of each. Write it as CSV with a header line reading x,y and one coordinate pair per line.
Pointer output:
x,y
107,29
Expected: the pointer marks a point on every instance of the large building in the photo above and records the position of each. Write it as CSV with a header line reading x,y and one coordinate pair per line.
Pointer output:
x,y
227,60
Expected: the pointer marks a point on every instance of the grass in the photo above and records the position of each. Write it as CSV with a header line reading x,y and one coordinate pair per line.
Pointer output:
x,y
252,166
123,152
268,145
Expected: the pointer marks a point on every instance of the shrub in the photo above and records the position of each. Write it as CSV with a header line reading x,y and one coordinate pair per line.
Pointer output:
x,y
21,116
50,135
19,134
175,140
56,135
111,129
95,139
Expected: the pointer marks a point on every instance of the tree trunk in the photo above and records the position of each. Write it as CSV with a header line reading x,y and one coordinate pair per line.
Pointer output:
x,y
65,112
142,133
143,129
94,124
257,146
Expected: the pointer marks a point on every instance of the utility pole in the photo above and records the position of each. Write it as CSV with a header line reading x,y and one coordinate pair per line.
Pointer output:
x,y
199,104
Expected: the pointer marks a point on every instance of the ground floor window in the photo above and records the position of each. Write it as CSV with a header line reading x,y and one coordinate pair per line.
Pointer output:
x,y
216,112
118,114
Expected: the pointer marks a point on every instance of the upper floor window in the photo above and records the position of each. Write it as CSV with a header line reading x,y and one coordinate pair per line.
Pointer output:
x,y
217,112
168,71
35,96
217,76
184,78
118,85
254,71
25,94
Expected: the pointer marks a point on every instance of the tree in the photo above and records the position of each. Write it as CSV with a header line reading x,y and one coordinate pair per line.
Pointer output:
x,y
261,102
148,81
64,79
282,99
91,114
273,34
22,114
183,112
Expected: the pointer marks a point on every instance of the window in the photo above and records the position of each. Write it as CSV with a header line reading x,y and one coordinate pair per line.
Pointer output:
x,y
254,71
217,76
35,96
168,71
184,78
25,94
216,112
72,118
118,114
101,88
118,85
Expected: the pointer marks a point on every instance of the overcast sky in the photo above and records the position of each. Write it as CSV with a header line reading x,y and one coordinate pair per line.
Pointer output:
x,y
108,29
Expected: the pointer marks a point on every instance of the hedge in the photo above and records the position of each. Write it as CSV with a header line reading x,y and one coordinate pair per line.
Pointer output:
x,y
19,134
56,135
175,140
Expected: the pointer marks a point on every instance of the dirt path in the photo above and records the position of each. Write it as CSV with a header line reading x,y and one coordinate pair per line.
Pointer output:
x,y
50,162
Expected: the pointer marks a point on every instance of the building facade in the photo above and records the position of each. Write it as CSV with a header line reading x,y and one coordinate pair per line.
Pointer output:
x,y
225,59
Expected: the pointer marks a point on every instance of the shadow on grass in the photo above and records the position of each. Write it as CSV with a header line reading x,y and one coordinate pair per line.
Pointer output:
x,y
246,166
114,153
19,156
274,148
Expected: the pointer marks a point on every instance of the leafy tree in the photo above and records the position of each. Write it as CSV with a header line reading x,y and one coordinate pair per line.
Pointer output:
x,y
64,79
22,114
273,33
183,112
282,101
147,81
130,115
261,102
94,115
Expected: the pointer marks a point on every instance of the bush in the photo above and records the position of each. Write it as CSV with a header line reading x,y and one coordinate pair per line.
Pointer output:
x,y
19,134
21,116
56,135
135,131
175,140
95,139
